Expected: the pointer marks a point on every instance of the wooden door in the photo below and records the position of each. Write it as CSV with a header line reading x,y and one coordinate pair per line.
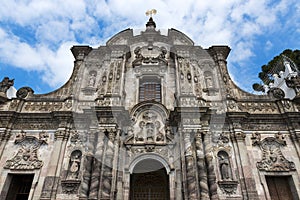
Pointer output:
x,y
150,186
279,187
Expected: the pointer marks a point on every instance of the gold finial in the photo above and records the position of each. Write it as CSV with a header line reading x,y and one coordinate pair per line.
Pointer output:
x,y
151,12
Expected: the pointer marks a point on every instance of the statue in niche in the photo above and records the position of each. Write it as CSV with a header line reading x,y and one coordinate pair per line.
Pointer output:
x,y
74,165
224,166
92,80
159,135
209,82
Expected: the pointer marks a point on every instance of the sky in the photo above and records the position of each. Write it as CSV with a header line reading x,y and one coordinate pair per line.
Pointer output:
x,y
36,35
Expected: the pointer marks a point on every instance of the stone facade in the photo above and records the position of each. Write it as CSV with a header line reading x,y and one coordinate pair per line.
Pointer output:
x,y
143,103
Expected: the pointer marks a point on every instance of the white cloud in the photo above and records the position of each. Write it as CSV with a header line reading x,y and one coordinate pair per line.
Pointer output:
x,y
60,24
268,45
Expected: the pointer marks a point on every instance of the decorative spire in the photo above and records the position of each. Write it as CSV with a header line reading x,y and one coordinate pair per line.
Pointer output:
x,y
151,24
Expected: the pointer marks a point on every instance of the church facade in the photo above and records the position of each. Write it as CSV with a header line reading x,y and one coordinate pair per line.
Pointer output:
x,y
149,116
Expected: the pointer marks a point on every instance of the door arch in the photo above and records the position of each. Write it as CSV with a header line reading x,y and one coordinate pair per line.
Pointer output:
x,y
149,180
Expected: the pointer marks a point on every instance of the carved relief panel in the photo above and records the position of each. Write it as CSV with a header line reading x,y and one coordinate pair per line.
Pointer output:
x,y
27,154
149,128
185,76
273,159
149,131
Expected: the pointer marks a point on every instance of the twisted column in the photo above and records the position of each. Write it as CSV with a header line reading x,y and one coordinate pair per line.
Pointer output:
x,y
86,177
88,163
212,184
204,192
108,164
190,170
97,164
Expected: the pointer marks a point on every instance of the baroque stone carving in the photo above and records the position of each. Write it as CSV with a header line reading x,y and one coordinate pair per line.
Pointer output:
x,y
74,165
84,191
5,84
272,157
108,162
70,186
294,82
27,157
190,165
23,92
224,166
150,55
204,194
277,93
228,186
210,84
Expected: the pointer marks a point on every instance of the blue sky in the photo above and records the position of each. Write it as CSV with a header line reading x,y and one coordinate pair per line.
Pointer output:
x,y
36,35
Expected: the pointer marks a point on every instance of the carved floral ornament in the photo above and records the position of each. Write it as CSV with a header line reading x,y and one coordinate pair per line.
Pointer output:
x,y
26,157
272,157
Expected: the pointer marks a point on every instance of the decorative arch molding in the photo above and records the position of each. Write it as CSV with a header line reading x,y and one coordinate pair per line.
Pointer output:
x,y
149,105
148,156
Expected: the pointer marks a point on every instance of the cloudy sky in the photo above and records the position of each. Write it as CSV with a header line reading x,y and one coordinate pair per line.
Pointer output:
x,y
36,35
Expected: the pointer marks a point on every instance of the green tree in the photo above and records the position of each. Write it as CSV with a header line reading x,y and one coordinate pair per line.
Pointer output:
x,y
275,66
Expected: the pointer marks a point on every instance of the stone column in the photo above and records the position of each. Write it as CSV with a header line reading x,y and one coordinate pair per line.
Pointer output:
x,y
211,175
106,179
86,177
220,54
97,164
190,166
246,176
88,164
5,134
204,193
51,181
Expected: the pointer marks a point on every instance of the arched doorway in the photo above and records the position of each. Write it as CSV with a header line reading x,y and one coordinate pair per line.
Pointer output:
x,y
149,181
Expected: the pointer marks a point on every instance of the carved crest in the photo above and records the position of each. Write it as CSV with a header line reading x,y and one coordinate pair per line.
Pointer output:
x,y
27,157
150,55
272,157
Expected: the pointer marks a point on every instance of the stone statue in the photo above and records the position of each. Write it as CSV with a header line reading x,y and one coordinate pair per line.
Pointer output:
x,y
224,166
159,134
138,57
92,80
5,84
74,165
150,131
140,136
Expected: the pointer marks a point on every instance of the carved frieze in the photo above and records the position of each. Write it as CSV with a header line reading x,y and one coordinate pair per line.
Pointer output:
x,y
45,106
264,126
27,155
258,107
